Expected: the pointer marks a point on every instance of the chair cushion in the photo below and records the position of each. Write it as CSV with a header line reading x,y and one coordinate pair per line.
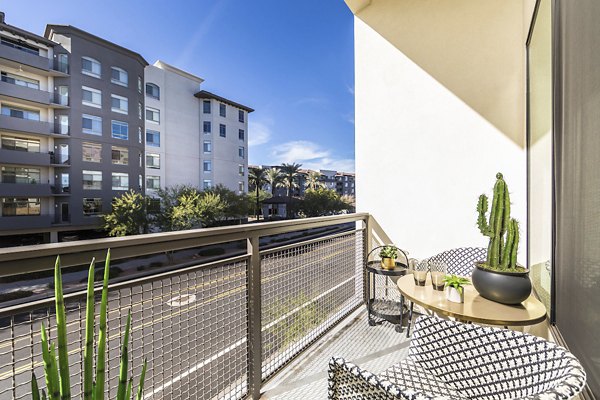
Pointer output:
x,y
408,374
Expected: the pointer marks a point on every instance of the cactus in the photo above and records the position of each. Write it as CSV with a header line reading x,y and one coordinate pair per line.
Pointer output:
x,y
502,230
56,371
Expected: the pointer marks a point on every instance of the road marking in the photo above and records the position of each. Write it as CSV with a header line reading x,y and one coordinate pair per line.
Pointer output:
x,y
182,300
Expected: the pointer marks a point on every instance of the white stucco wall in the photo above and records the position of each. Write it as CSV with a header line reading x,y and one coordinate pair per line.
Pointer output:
x,y
423,155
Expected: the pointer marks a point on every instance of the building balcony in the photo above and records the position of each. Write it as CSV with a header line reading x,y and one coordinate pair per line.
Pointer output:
x,y
25,125
25,222
26,94
25,190
24,158
40,65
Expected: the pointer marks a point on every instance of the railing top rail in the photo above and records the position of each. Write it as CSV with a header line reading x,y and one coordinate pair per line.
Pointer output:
x,y
25,259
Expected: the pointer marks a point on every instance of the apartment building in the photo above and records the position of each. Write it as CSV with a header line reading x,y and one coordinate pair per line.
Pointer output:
x,y
71,129
345,183
193,137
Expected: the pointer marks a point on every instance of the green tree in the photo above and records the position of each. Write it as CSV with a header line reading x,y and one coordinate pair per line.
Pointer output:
x,y
128,216
236,205
274,178
313,180
211,209
186,213
291,173
170,198
321,201
257,178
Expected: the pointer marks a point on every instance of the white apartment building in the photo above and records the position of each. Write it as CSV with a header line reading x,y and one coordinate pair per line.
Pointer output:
x,y
193,137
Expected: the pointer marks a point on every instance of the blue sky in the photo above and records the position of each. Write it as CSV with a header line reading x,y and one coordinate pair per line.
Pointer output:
x,y
292,61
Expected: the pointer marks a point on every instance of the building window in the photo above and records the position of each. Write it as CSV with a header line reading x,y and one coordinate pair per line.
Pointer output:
x,y
63,63
120,155
140,134
19,80
139,84
19,45
23,113
20,206
92,180
153,115
241,134
241,170
119,76
91,125
241,187
120,130
91,97
152,160
241,115
140,110
152,182
63,124
241,152
152,138
140,181
92,152
222,130
207,146
206,127
92,206
120,181
206,106
119,104
222,110
153,91
207,166
90,66
63,95
206,184
20,175
21,144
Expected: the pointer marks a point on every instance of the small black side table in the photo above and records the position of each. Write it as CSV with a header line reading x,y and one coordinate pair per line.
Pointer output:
x,y
387,310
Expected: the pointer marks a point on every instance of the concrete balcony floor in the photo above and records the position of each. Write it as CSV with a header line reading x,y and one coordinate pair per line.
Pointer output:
x,y
373,348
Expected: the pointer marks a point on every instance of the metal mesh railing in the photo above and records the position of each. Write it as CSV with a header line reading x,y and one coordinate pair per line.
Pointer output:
x,y
192,318
306,290
191,326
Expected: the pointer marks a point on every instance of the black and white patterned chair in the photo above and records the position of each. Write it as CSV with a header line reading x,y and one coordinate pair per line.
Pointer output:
x,y
449,360
460,261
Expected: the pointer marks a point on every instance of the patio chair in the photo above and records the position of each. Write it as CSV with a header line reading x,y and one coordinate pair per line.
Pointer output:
x,y
460,260
450,360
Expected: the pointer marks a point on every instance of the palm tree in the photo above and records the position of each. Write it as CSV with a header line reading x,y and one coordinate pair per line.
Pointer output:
x,y
274,178
313,180
257,177
290,180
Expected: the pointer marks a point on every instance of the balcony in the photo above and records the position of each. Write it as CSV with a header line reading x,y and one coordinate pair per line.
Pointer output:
x,y
25,222
24,125
24,157
40,65
25,190
29,95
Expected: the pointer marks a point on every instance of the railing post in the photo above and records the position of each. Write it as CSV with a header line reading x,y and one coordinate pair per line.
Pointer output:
x,y
368,246
254,320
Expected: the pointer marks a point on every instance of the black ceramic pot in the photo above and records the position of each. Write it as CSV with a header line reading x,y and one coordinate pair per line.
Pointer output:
x,y
502,287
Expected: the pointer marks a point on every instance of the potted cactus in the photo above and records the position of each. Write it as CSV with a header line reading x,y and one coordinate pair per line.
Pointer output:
x,y
388,254
499,277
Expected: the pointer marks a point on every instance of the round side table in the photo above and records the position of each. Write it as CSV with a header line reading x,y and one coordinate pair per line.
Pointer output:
x,y
384,308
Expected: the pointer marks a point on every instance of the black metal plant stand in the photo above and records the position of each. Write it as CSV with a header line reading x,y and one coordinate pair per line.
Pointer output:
x,y
384,308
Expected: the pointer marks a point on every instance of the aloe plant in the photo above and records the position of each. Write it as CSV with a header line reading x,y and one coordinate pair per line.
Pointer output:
x,y
388,251
56,370
502,230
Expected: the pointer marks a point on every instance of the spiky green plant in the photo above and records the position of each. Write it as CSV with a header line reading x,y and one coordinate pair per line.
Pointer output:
x,y
502,230
57,371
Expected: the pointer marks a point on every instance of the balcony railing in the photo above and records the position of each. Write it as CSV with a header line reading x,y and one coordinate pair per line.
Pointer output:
x,y
210,328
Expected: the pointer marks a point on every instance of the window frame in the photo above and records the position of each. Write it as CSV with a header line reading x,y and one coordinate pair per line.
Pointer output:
x,y
121,151
92,61
153,86
153,157
153,133
92,146
93,174
223,110
120,175
223,130
119,135
91,131
93,91
121,99
152,178
153,111
94,200
121,71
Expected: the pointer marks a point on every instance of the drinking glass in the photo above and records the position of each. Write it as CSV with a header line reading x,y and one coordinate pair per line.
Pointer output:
x,y
420,272
438,272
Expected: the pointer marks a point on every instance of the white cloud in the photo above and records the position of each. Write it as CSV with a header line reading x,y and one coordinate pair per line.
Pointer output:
x,y
258,133
350,89
310,155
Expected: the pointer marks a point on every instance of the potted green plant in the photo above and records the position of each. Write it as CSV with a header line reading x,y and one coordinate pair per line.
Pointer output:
x,y
455,288
499,278
388,254
56,369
